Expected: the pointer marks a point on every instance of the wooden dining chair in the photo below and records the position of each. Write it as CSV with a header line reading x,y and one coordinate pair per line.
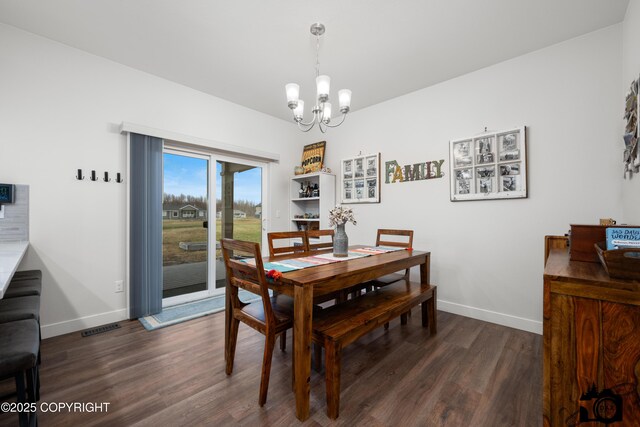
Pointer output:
x,y
319,244
403,239
303,246
271,316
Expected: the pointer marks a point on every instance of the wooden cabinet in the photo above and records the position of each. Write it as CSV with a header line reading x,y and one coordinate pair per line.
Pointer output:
x,y
311,211
591,345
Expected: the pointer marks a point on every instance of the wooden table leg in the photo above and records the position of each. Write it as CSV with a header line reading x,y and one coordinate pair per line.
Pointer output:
x,y
425,271
429,307
303,309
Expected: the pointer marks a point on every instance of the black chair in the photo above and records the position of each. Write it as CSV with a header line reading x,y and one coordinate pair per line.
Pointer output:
x,y
19,349
27,275
24,288
20,308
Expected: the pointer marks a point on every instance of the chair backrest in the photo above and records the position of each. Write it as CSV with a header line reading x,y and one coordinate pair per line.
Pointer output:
x,y
318,234
245,276
282,250
387,232
554,242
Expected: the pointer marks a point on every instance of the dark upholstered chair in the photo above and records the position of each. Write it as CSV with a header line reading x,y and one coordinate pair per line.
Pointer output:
x,y
271,316
27,275
19,349
24,288
20,308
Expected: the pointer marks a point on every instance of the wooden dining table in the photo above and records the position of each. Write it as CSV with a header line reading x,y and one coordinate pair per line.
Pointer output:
x,y
306,284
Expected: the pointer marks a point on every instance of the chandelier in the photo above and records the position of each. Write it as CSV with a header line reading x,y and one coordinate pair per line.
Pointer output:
x,y
322,109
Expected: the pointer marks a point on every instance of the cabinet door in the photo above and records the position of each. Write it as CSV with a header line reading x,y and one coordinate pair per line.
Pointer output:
x,y
574,326
621,357
594,362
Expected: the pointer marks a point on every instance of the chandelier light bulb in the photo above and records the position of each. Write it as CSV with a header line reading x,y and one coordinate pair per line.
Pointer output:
x,y
323,84
293,94
298,112
344,96
326,112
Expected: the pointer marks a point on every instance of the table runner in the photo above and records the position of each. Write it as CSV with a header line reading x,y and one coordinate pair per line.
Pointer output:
x,y
321,259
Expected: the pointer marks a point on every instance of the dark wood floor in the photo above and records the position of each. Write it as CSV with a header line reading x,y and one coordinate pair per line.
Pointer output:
x,y
471,373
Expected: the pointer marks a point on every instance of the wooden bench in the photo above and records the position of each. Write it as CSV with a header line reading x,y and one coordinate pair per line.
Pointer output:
x,y
340,325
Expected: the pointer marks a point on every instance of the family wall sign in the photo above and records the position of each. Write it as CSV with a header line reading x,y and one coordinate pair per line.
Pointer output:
x,y
416,172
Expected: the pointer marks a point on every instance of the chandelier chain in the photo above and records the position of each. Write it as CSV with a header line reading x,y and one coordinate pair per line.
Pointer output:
x,y
317,55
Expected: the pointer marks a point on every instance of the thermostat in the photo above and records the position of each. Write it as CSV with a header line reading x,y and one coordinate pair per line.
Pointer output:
x,y
7,193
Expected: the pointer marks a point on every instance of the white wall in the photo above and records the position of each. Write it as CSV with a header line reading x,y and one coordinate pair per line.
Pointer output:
x,y
630,72
60,110
487,256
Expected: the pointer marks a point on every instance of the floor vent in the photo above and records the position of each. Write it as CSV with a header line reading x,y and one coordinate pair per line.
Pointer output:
x,y
100,329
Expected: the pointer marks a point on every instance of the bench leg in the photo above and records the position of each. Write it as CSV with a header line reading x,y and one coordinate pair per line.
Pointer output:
x,y
433,313
429,315
332,366
403,319
317,357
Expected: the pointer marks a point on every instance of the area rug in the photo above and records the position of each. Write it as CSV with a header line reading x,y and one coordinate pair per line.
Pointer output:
x,y
191,310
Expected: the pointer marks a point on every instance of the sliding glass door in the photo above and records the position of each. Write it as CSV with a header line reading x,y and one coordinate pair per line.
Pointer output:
x,y
185,241
193,224
239,205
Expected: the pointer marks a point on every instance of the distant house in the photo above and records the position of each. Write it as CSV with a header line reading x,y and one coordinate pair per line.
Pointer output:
x,y
236,214
258,211
175,210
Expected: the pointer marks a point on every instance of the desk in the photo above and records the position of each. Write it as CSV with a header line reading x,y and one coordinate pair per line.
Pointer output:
x,y
11,253
306,284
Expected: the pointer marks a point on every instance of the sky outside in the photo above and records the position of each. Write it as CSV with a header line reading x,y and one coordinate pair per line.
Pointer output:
x,y
188,175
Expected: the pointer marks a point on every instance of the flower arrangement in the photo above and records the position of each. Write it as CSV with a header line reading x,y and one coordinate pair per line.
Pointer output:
x,y
340,215
274,274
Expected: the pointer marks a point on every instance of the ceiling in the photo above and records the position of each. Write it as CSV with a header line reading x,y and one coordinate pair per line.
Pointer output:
x,y
245,51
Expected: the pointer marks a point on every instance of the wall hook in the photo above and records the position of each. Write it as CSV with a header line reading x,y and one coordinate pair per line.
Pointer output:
x,y
119,179
93,176
79,176
106,177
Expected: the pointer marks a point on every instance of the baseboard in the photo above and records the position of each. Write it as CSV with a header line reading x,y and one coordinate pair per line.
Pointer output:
x,y
61,328
492,316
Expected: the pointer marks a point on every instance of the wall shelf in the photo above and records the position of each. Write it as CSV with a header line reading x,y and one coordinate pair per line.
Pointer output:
x,y
320,205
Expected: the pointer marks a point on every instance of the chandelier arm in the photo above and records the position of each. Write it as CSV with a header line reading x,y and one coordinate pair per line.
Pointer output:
x,y
312,124
323,130
344,116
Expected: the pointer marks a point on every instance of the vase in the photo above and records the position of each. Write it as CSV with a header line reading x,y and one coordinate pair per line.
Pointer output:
x,y
340,242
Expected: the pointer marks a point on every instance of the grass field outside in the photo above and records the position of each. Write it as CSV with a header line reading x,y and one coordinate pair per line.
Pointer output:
x,y
176,231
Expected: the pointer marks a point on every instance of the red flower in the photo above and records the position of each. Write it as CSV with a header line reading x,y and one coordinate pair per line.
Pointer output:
x,y
274,274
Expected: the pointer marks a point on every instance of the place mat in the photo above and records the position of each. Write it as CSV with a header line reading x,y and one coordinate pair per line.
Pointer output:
x,y
373,250
293,264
